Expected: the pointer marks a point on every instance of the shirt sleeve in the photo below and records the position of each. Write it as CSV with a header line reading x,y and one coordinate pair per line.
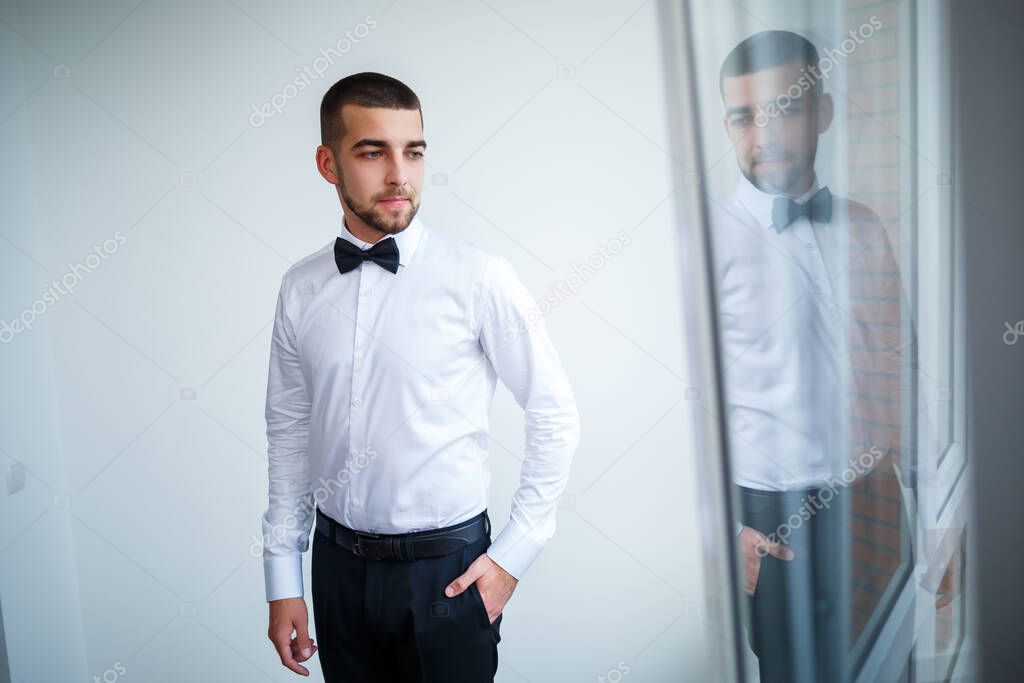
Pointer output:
x,y
289,516
514,338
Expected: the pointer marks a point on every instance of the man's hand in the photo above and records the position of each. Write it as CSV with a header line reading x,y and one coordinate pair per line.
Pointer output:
x,y
289,615
753,546
494,583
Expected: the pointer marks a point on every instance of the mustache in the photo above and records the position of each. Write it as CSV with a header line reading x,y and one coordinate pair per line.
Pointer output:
x,y
771,157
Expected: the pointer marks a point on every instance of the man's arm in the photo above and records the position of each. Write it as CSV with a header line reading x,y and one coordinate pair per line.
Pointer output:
x,y
514,338
289,515
288,518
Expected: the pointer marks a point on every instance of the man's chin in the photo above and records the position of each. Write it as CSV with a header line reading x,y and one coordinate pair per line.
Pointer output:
x,y
771,183
391,224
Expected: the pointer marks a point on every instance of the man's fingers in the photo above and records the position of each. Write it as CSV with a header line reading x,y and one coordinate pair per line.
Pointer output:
x,y
297,653
478,568
780,551
288,616
753,571
463,582
457,586
764,546
302,642
755,547
284,651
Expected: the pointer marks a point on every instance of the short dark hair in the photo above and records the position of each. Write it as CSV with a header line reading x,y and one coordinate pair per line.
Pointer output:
x,y
367,89
768,49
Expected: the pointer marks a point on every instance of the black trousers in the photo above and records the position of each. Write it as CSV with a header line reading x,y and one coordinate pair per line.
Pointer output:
x,y
795,628
389,621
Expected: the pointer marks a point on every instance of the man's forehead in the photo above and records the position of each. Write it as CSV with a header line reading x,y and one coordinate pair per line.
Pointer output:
x,y
761,86
394,125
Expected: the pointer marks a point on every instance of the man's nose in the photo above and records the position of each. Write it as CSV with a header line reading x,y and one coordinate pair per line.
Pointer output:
x,y
767,135
398,173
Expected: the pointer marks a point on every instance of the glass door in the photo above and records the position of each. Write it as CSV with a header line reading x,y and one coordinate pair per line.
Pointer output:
x,y
815,189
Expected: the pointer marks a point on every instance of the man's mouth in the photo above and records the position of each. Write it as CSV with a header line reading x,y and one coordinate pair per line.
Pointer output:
x,y
392,202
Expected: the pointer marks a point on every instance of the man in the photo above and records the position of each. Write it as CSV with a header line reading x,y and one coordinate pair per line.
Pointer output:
x,y
386,348
805,285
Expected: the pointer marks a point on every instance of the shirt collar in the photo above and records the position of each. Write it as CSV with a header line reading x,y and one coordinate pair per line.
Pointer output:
x,y
407,240
759,203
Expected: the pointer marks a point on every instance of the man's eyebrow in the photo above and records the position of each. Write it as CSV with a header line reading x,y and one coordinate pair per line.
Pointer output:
x,y
792,102
368,142
738,110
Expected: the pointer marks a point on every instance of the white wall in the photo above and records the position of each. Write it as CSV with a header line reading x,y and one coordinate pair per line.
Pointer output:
x,y
146,137
39,580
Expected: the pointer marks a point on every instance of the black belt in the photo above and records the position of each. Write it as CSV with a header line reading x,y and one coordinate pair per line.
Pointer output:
x,y
405,547
791,494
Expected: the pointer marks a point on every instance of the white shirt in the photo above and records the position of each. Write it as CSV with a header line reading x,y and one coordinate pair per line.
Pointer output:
x,y
379,393
785,341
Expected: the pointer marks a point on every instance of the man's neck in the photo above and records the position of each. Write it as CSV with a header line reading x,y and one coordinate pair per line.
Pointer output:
x,y
362,231
802,188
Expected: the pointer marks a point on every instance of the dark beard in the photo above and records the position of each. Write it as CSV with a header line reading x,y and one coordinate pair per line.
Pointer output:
x,y
791,181
368,214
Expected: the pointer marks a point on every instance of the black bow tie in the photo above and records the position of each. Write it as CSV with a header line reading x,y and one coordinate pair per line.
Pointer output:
x,y
818,208
348,256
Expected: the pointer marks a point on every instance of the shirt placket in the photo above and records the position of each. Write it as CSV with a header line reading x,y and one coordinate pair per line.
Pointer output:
x,y
821,284
833,314
365,315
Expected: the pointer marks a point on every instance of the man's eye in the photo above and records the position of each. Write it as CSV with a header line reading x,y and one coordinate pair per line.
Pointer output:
x,y
740,122
416,155
369,155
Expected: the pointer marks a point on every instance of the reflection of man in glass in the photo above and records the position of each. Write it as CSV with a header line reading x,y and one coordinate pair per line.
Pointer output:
x,y
795,325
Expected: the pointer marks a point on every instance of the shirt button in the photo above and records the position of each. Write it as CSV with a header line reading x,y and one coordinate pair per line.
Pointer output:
x,y
355,402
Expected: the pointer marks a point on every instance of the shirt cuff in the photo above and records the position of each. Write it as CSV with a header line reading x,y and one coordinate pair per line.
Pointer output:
x,y
514,549
283,574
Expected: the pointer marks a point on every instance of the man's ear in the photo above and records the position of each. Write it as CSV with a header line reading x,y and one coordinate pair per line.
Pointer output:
x,y
825,112
326,164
